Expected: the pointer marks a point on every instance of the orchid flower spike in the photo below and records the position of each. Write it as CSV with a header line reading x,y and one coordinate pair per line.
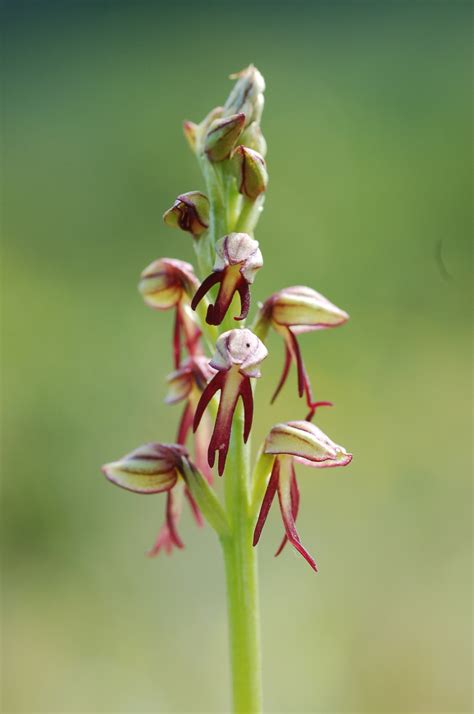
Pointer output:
x,y
157,468
247,95
290,312
237,359
190,212
290,442
238,258
167,284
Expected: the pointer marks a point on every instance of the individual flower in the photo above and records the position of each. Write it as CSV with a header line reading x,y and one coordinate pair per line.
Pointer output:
x,y
251,172
238,258
152,468
290,312
237,358
157,468
247,95
290,442
186,384
222,135
167,284
190,212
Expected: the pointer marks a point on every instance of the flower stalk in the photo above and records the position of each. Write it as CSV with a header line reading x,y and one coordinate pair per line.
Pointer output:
x,y
216,365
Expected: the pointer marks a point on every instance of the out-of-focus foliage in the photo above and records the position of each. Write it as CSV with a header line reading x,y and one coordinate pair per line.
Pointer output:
x,y
368,125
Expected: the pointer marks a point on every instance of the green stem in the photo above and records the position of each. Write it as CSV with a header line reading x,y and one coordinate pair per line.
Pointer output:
x,y
249,215
240,559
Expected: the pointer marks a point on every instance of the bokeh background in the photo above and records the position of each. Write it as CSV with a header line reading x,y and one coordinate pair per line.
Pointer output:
x,y
368,122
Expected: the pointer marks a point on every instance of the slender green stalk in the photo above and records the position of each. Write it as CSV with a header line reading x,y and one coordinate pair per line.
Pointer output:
x,y
227,211
242,579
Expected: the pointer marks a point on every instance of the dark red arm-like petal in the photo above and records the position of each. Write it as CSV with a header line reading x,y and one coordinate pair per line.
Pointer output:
x,y
185,424
163,541
286,369
221,435
194,507
295,504
172,517
244,293
296,354
284,497
206,285
267,501
214,385
227,288
201,442
177,339
247,399
313,406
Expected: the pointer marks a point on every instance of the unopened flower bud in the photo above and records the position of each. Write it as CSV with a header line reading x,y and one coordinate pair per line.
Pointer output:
x,y
253,138
165,282
240,348
247,95
194,133
307,444
222,136
238,258
151,468
190,212
251,172
190,130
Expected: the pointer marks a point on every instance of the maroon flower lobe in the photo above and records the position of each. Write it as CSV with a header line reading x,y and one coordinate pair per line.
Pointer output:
x,y
238,258
238,355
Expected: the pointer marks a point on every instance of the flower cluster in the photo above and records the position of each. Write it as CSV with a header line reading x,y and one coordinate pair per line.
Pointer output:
x,y
216,361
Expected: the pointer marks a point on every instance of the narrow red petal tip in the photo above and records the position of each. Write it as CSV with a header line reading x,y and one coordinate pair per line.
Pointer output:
x,y
295,505
177,339
244,293
267,502
214,385
296,353
185,424
206,285
314,406
247,399
288,496
284,375
194,508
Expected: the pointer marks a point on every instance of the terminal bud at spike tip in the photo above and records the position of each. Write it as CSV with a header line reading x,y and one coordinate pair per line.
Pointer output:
x,y
222,136
238,258
290,312
190,212
291,442
251,172
237,359
247,95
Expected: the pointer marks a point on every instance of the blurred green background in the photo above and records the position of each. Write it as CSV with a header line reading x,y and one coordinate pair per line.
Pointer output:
x,y
368,124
